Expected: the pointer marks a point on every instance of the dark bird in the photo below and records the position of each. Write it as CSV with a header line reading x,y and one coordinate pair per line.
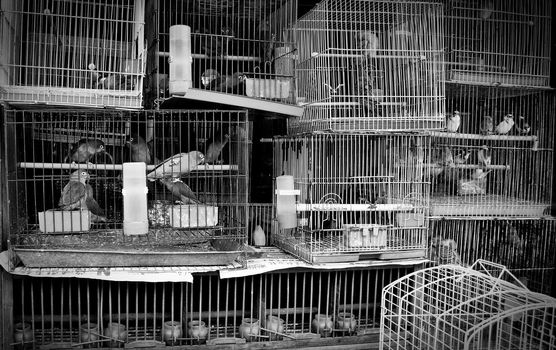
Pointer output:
x,y
176,166
505,125
180,190
462,156
227,83
329,223
484,156
112,82
487,125
78,194
85,149
215,147
140,150
453,122
522,126
447,157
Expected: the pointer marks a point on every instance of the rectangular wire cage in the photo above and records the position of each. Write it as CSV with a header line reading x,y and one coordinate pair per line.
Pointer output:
x,y
495,155
79,53
524,246
366,65
67,187
497,42
238,48
64,311
359,194
456,307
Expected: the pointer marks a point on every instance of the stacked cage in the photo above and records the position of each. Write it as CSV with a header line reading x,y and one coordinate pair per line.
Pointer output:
x,y
72,53
368,65
68,186
454,307
237,50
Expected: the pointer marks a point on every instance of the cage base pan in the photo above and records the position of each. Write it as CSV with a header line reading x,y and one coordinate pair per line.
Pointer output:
x,y
488,205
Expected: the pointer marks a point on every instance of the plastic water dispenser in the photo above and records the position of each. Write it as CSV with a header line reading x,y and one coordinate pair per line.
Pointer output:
x,y
135,198
180,60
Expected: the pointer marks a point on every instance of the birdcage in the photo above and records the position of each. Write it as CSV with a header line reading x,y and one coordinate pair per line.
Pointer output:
x,y
455,307
366,65
496,42
359,194
72,53
67,182
495,154
241,53
524,246
64,311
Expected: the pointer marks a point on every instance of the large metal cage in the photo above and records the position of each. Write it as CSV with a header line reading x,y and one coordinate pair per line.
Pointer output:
x,y
358,194
197,169
366,65
455,307
76,53
498,42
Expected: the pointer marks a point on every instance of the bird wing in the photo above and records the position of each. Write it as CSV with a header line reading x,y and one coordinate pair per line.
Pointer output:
x,y
73,195
91,203
169,167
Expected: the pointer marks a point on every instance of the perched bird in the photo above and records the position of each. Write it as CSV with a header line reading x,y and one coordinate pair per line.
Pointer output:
x,y
447,157
487,125
270,45
484,155
367,41
180,190
521,126
215,147
416,150
453,122
140,150
226,83
505,125
479,174
78,194
113,81
329,223
462,156
85,149
177,165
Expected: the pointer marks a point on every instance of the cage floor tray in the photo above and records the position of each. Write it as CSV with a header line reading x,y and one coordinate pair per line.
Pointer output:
x,y
484,205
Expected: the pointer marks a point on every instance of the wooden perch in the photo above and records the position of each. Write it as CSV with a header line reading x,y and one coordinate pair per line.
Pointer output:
x,y
455,135
112,167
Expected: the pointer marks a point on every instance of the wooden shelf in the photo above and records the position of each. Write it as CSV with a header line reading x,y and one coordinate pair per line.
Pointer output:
x,y
114,167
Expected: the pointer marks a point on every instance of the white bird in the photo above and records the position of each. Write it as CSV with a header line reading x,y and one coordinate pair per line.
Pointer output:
x,y
505,125
177,165
479,174
180,190
484,155
259,237
333,91
453,122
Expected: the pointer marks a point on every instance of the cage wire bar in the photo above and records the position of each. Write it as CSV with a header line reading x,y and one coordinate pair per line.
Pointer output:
x,y
498,42
524,246
74,53
62,310
495,154
238,47
202,199
455,307
370,65
359,193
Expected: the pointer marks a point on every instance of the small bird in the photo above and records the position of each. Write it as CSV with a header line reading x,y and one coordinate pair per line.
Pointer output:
x,y
448,157
486,9
416,150
505,125
114,81
208,76
462,156
484,155
227,83
78,194
269,47
487,125
140,150
180,190
479,174
521,126
329,223
177,165
368,41
85,149
333,91
453,122
215,147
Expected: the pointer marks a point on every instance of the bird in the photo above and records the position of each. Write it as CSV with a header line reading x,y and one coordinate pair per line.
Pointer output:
x,y
329,223
216,45
113,81
176,166
226,83
522,126
140,150
447,157
484,155
505,125
487,125
78,194
368,41
215,146
480,174
453,122
462,156
269,47
180,190
416,150
85,149
333,91
486,9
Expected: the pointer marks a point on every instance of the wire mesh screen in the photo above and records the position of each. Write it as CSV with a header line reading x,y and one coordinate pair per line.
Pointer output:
x,y
495,156
358,192
452,307
499,42
73,52
65,311
367,65
238,47
65,176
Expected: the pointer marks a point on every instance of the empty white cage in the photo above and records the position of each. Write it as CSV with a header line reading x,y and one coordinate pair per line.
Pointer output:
x,y
239,49
524,246
366,65
495,163
498,42
455,307
360,194
197,203
81,53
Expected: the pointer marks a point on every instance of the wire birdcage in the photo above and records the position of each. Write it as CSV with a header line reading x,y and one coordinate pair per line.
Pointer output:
x,y
496,42
495,154
368,65
359,193
454,307
73,53
193,202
